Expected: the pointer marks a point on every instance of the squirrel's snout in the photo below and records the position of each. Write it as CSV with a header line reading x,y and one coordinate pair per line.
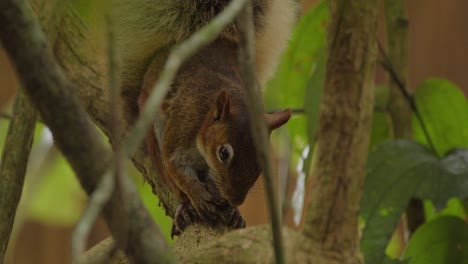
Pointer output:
x,y
236,200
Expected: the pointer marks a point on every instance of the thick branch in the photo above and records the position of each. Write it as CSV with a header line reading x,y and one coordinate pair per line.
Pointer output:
x,y
74,132
331,221
13,165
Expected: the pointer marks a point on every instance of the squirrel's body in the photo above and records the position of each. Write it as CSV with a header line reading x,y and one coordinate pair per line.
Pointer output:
x,y
200,141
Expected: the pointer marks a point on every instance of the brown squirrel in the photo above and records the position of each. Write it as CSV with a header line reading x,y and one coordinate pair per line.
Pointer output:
x,y
200,141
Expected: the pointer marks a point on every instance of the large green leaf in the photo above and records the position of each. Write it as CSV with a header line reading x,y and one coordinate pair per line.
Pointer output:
x,y
312,105
454,207
397,171
448,179
287,88
442,241
298,65
444,111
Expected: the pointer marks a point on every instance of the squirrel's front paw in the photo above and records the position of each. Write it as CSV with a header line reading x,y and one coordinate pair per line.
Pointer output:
x,y
185,215
235,219
210,207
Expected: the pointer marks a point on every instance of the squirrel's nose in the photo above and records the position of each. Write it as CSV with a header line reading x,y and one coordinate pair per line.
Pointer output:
x,y
237,200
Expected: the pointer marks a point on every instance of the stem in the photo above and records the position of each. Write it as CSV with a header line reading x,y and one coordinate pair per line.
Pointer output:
x,y
259,130
387,65
13,165
400,111
107,184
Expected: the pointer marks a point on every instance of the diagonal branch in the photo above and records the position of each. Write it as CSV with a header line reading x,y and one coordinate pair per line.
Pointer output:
x,y
259,130
107,185
387,65
13,165
50,92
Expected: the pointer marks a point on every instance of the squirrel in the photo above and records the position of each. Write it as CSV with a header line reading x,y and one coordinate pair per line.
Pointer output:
x,y
200,141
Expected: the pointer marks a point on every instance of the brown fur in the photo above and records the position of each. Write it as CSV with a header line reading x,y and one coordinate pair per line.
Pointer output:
x,y
205,109
189,135
147,26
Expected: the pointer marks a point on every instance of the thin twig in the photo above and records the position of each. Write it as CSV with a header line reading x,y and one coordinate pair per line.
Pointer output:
x,y
180,53
259,130
293,111
13,165
6,116
387,65
97,200
107,185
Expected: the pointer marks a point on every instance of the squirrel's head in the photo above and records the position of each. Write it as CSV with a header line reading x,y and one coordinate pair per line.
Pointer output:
x,y
225,141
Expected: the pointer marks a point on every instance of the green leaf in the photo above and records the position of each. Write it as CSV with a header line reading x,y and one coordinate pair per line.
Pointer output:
x,y
389,185
444,110
308,39
398,171
312,104
295,74
299,79
454,208
448,179
442,241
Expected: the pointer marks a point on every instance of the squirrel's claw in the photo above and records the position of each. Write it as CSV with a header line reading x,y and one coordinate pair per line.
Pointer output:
x,y
236,220
185,215
175,231
209,206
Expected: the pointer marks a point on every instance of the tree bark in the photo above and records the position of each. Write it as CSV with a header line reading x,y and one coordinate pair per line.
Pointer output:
x,y
330,234
331,221
50,92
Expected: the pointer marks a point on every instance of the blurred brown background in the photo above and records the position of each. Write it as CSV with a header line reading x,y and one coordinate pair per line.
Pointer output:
x,y
438,47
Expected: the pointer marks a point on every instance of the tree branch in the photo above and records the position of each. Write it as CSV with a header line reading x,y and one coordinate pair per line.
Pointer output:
x,y
6,116
331,220
399,108
259,129
13,165
107,185
387,65
397,44
49,91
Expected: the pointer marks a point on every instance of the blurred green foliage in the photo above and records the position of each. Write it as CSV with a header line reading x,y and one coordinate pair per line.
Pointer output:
x,y
444,110
301,72
397,170
401,170
441,241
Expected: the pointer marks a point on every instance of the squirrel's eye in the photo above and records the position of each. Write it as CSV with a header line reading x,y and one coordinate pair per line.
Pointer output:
x,y
225,153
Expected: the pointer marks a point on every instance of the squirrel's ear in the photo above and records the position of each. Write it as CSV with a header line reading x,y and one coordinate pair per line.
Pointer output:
x,y
277,119
223,105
